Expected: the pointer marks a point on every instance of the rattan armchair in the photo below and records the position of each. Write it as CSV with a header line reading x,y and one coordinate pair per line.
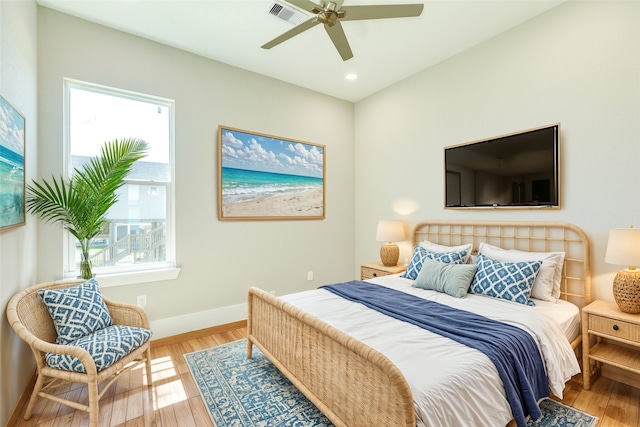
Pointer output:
x,y
30,318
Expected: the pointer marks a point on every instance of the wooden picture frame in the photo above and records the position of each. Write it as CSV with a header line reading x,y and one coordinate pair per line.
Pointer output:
x,y
12,162
267,177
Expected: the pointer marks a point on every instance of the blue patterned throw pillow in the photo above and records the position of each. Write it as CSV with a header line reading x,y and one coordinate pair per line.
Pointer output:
x,y
77,311
105,346
419,255
509,280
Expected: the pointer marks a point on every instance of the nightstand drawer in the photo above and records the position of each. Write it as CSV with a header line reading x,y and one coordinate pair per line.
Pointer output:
x,y
377,269
369,273
614,328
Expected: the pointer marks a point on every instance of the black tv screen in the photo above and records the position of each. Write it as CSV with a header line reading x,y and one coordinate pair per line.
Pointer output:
x,y
515,170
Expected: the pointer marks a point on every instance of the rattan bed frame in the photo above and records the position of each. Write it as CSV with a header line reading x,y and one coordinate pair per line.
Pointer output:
x,y
355,385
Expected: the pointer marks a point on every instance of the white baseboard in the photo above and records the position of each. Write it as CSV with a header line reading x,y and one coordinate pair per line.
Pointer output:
x,y
177,325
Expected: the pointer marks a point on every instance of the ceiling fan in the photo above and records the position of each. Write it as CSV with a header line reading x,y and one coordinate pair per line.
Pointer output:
x,y
330,13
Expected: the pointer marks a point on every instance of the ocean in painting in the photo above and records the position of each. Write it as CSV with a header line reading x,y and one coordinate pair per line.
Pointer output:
x,y
11,187
242,185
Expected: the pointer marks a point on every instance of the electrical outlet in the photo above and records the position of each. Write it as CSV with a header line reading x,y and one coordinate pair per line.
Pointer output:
x,y
310,276
142,300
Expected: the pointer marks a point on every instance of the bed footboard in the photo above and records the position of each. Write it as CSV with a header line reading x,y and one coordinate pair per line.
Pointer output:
x,y
351,383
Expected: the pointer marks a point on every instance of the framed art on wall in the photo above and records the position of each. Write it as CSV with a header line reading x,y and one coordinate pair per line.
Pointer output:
x,y
266,177
12,185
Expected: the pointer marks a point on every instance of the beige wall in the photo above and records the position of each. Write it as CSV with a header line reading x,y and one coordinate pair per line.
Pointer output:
x,y
578,64
219,260
18,85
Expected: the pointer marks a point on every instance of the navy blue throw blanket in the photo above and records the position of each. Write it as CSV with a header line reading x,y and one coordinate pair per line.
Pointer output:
x,y
512,350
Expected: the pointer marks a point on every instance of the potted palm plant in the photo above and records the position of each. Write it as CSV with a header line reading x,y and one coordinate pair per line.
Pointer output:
x,y
81,202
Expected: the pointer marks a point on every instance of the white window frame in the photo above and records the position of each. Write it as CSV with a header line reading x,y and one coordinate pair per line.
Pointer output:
x,y
138,273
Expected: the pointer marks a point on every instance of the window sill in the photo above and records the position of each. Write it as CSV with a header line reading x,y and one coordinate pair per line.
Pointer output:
x,y
133,278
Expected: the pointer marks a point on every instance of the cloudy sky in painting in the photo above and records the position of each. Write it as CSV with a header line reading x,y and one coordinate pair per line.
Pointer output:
x,y
270,154
11,128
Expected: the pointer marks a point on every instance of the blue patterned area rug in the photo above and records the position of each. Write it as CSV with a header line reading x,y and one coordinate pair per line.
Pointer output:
x,y
557,414
241,392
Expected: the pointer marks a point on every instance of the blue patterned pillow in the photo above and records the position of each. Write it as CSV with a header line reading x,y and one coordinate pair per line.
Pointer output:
x,y
512,281
76,311
419,255
105,346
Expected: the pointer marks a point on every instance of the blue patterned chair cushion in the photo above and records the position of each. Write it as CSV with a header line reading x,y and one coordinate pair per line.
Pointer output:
x,y
419,255
76,311
105,346
509,280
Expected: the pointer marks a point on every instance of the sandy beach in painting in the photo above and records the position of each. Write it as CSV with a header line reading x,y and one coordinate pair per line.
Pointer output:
x,y
308,203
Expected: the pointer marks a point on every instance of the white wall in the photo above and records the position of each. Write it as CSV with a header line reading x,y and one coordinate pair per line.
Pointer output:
x,y
18,85
578,64
219,260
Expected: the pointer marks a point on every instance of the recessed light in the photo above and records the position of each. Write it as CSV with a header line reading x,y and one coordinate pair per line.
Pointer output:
x,y
352,76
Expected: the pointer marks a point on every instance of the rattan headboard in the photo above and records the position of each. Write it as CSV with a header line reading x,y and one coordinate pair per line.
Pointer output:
x,y
524,236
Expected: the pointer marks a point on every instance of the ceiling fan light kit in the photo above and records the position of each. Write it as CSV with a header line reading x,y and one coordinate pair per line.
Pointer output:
x,y
330,14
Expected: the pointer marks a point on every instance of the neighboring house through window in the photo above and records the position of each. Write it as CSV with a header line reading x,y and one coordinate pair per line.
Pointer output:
x,y
139,235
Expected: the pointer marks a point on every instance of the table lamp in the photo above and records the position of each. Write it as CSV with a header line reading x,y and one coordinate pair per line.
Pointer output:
x,y
623,248
390,232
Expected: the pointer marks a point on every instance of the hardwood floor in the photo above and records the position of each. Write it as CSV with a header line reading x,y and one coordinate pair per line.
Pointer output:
x,y
174,399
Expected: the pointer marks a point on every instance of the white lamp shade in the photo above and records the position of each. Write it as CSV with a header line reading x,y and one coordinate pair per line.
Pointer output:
x,y
623,247
390,231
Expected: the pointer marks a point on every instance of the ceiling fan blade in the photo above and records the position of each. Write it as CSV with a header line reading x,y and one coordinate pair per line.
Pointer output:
x,y
309,23
354,13
339,39
303,4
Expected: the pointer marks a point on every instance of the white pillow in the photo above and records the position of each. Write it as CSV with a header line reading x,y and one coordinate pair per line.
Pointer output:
x,y
434,247
547,284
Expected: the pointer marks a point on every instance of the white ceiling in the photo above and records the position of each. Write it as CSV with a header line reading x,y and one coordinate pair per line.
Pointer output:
x,y
385,50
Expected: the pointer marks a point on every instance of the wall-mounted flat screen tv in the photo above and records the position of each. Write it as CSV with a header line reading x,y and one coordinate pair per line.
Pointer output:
x,y
514,170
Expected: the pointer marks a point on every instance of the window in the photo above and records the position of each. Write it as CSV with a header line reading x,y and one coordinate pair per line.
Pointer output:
x,y
139,234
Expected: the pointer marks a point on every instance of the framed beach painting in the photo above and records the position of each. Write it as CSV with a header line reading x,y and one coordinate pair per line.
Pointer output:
x,y
12,186
266,177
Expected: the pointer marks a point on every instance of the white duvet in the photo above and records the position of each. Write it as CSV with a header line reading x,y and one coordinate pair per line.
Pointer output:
x,y
452,384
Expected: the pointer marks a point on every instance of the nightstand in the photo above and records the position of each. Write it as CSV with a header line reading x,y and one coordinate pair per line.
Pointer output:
x,y
617,339
377,269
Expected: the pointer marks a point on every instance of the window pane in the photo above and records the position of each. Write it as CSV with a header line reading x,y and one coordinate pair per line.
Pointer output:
x,y
137,235
96,117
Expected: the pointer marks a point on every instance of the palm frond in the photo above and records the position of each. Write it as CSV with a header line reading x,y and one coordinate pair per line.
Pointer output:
x,y
50,201
105,174
81,203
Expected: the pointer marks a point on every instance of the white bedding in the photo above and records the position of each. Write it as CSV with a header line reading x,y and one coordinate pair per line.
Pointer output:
x,y
565,314
455,385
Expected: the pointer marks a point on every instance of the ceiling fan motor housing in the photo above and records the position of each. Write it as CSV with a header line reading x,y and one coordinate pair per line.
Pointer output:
x,y
328,15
